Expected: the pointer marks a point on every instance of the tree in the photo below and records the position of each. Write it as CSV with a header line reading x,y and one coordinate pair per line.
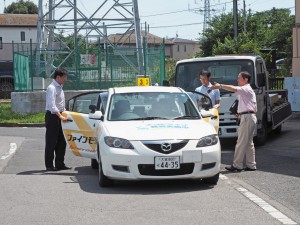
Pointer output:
x,y
22,7
270,29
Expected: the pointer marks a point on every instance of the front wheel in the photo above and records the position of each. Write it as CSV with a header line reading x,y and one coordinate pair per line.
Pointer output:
x,y
94,164
262,134
278,130
212,180
104,181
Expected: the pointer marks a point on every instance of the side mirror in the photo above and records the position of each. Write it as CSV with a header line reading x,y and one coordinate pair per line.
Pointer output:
x,y
261,79
206,114
97,115
206,106
92,108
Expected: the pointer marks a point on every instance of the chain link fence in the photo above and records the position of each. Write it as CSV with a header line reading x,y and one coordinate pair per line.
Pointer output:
x,y
88,68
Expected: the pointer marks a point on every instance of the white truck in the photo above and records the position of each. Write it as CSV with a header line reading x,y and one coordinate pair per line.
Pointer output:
x,y
273,107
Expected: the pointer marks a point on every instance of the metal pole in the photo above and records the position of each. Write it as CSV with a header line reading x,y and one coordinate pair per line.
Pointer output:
x,y
38,38
235,19
244,17
138,37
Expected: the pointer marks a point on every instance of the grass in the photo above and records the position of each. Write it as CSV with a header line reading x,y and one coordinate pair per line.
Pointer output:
x,y
8,116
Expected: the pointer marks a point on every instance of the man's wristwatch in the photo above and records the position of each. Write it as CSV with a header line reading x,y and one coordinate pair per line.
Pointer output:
x,y
220,86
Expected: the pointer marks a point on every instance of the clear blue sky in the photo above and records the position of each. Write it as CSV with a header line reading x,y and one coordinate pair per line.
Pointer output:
x,y
166,18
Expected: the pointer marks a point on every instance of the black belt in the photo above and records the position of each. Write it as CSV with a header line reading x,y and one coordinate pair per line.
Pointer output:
x,y
48,111
247,112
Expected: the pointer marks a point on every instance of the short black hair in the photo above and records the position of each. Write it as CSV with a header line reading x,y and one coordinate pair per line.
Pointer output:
x,y
205,73
246,75
60,71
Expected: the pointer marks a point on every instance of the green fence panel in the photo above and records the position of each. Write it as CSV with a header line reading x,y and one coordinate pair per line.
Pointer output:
x,y
21,72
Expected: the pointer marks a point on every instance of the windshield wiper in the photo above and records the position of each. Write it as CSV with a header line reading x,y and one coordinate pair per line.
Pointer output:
x,y
185,117
150,118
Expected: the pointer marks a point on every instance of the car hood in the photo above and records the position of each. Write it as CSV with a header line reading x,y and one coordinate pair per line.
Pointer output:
x,y
159,129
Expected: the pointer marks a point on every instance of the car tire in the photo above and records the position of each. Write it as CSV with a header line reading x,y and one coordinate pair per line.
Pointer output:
x,y
94,164
262,134
104,181
212,180
278,130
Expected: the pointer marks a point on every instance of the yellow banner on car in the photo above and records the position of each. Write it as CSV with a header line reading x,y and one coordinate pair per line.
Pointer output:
x,y
214,122
79,134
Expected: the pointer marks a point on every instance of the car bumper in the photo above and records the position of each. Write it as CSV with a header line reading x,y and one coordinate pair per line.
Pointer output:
x,y
138,163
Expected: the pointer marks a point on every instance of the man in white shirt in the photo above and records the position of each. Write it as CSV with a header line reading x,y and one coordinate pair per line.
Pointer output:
x,y
55,146
214,95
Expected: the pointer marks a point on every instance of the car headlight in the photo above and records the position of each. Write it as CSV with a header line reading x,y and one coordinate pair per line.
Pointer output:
x,y
208,141
117,142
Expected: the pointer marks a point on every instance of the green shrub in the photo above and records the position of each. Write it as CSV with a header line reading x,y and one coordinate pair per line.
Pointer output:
x,y
8,116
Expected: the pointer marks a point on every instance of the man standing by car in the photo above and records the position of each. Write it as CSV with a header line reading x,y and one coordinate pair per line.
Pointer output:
x,y
247,112
214,95
55,105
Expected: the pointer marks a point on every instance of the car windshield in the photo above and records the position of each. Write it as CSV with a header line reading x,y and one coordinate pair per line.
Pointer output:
x,y
150,106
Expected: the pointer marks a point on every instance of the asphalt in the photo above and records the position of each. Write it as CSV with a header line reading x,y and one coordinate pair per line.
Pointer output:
x,y
22,124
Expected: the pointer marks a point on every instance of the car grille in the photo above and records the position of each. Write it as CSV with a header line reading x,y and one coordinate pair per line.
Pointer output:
x,y
149,170
174,146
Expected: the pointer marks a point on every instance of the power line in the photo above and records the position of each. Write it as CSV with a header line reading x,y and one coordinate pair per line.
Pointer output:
x,y
178,25
186,10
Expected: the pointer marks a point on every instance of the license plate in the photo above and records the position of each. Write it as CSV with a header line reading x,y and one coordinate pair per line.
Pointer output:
x,y
167,163
220,131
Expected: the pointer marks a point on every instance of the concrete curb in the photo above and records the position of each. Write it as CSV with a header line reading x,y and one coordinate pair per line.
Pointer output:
x,y
22,124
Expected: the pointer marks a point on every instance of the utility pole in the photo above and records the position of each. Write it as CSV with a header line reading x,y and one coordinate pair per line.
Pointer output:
x,y
138,38
244,14
206,14
235,19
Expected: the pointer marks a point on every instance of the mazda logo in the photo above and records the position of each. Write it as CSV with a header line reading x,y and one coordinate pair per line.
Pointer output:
x,y
166,147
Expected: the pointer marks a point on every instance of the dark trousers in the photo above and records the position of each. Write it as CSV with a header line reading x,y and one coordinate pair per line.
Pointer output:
x,y
55,141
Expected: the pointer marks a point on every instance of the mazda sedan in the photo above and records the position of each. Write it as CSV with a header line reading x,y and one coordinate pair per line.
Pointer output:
x,y
145,133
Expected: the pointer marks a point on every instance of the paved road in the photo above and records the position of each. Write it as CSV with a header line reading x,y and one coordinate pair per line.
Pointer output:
x,y
29,195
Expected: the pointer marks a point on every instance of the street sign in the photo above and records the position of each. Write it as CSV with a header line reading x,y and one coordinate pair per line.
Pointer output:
x,y
143,81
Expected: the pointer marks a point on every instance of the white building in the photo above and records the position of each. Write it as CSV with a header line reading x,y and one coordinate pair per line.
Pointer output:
x,y
182,48
17,28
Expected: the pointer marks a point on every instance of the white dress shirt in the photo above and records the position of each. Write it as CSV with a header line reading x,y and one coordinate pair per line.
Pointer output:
x,y
55,98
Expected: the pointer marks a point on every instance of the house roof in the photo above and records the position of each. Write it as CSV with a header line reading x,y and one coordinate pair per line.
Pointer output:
x,y
181,40
129,38
18,20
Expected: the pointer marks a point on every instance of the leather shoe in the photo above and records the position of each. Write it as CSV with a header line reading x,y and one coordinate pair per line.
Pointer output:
x,y
232,169
64,168
51,169
249,169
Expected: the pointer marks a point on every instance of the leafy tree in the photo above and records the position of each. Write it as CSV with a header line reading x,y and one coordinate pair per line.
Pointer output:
x,y
170,70
266,32
243,44
270,29
22,7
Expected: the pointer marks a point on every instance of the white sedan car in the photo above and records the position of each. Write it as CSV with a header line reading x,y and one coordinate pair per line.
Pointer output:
x,y
145,133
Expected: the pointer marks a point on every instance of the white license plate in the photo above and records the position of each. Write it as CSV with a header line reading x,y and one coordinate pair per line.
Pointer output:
x,y
167,163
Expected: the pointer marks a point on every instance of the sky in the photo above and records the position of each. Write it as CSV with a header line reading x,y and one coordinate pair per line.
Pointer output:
x,y
182,18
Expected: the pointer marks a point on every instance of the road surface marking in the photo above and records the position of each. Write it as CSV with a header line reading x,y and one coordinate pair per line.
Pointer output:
x,y
266,206
12,149
275,213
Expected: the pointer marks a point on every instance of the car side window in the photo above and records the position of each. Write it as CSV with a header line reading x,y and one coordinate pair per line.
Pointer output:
x,y
82,102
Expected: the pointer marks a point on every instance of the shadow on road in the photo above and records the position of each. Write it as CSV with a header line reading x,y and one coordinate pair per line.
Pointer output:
x,y
280,154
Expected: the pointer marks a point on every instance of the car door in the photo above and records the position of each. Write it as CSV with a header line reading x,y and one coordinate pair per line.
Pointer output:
x,y
79,130
204,105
